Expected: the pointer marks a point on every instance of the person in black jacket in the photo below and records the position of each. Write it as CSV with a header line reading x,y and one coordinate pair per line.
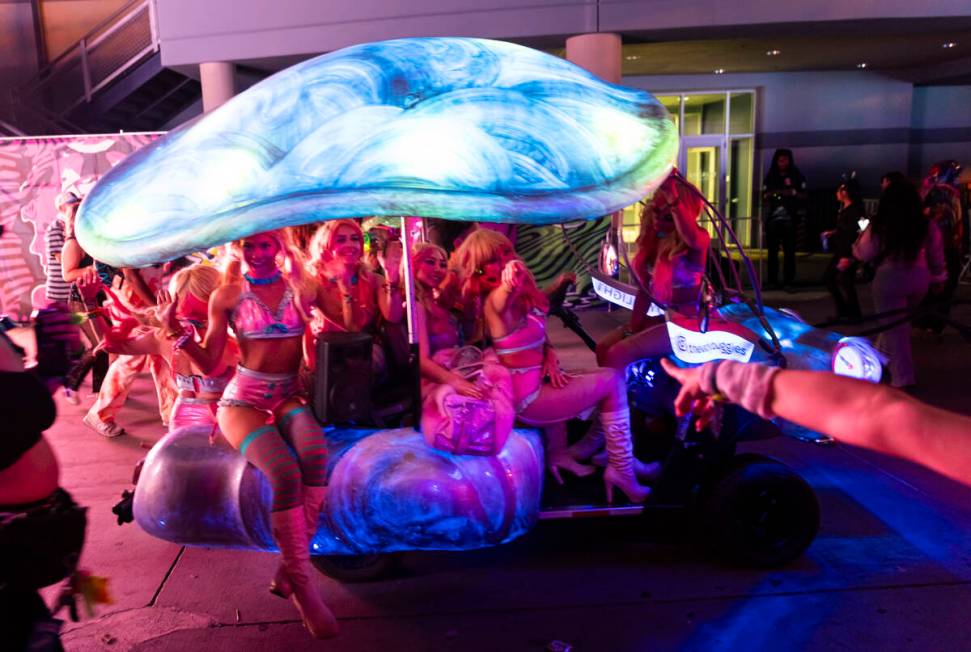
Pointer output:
x,y
840,276
784,197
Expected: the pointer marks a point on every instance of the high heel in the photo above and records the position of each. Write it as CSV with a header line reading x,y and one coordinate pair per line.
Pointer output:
x,y
620,468
313,500
561,461
646,472
290,532
557,458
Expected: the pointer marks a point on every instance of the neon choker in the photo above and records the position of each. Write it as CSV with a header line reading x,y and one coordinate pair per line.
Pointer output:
x,y
263,281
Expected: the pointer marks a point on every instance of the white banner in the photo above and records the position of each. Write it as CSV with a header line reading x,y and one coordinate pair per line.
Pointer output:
x,y
619,297
696,348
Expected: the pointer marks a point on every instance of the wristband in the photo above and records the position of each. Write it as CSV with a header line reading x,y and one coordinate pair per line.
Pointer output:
x,y
746,384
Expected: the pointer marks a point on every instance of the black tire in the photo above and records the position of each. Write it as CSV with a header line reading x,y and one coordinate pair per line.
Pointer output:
x,y
761,513
357,568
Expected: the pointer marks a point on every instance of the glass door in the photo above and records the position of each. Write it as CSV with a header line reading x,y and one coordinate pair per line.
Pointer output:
x,y
702,161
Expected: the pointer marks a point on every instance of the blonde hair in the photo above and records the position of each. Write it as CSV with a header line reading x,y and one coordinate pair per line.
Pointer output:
x,y
418,250
483,246
649,246
198,280
480,247
322,244
292,266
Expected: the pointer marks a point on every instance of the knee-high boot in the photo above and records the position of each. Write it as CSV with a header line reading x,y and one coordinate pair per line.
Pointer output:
x,y
313,501
290,532
620,458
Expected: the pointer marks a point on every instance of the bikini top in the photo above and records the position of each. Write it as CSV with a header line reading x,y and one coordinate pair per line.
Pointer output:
x,y
204,384
529,334
252,319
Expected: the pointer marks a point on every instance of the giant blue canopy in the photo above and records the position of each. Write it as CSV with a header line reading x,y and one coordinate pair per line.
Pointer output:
x,y
458,128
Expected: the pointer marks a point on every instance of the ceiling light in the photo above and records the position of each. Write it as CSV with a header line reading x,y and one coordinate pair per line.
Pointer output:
x,y
862,65
773,53
632,57
949,45
719,71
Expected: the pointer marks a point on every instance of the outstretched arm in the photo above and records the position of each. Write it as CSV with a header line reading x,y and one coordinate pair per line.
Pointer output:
x,y
852,411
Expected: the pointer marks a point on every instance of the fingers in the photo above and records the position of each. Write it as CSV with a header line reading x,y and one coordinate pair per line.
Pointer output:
x,y
674,370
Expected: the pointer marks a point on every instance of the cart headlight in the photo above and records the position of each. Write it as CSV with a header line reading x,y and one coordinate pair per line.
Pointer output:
x,y
856,358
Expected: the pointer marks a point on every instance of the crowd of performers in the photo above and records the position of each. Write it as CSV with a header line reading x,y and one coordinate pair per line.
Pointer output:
x,y
229,338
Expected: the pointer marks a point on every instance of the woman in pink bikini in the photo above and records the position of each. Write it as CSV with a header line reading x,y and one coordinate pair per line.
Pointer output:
x,y
672,250
188,301
265,298
513,311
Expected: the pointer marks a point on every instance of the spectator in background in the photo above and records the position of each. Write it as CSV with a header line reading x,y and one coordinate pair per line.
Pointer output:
x,y
891,177
942,205
784,198
57,289
75,266
906,250
840,276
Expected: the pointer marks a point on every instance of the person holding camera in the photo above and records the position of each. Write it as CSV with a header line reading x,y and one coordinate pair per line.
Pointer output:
x,y
41,527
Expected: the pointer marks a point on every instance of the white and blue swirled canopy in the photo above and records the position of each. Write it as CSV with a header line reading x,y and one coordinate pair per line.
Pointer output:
x,y
458,128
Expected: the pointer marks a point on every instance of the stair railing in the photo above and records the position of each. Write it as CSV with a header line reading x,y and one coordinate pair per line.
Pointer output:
x,y
116,45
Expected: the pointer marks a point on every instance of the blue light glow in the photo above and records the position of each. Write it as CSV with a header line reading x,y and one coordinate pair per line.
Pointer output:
x,y
465,129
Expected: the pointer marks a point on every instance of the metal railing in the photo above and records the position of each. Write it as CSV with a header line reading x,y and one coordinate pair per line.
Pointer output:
x,y
120,42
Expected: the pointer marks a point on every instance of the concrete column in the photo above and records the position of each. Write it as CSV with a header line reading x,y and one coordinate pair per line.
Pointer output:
x,y
218,83
598,53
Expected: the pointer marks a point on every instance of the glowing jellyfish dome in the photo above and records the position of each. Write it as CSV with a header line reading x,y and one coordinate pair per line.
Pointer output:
x,y
458,128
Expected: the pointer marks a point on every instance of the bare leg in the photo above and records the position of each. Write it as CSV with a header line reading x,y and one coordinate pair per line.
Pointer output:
x,y
652,342
602,388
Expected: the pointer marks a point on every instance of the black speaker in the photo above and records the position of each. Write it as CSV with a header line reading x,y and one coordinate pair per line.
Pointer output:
x,y
342,385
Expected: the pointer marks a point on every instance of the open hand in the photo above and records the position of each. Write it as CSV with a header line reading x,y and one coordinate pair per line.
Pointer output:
x,y
390,261
551,369
466,388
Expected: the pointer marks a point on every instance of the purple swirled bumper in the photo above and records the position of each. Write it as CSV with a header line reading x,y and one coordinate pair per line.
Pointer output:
x,y
388,491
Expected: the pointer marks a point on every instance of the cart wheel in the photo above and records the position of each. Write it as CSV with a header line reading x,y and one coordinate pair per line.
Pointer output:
x,y
357,568
761,513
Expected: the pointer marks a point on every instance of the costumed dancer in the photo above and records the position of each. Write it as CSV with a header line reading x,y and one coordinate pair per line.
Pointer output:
x,y
184,306
513,312
443,358
672,250
354,298
266,298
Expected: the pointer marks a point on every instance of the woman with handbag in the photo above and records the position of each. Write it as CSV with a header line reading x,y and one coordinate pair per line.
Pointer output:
x,y
466,395
513,312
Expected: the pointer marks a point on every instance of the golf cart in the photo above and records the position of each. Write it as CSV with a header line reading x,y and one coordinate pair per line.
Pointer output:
x,y
462,129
